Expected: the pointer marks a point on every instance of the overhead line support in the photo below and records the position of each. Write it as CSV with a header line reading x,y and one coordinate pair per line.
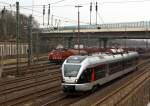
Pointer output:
x,y
17,36
78,28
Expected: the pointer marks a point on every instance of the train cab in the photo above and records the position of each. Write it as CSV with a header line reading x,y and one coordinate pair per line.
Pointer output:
x,y
78,73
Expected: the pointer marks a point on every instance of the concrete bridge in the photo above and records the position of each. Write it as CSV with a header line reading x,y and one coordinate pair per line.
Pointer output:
x,y
132,30
103,32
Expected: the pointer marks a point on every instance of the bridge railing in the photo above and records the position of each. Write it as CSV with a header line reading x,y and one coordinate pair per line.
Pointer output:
x,y
140,24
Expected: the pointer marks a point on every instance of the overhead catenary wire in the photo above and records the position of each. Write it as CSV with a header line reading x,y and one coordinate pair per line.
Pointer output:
x,y
40,6
57,2
64,18
99,15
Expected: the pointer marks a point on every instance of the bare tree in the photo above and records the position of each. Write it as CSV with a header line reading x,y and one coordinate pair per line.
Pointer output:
x,y
8,25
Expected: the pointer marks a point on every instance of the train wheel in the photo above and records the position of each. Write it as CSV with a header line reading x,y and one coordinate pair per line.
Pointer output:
x,y
136,69
95,88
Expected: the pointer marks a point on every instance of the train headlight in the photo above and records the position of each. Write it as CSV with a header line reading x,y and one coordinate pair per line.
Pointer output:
x,y
76,81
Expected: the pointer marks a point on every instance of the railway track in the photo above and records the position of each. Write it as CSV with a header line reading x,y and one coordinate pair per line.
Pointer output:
x,y
72,100
22,87
115,92
10,87
30,93
29,77
25,70
34,73
44,89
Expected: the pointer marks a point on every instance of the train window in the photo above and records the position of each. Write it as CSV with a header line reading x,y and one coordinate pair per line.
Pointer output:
x,y
115,67
71,70
85,76
99,72
88,73
75,59
128,63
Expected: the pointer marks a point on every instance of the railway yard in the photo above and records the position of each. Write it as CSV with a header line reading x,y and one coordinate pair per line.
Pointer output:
x,y
55,53
40,85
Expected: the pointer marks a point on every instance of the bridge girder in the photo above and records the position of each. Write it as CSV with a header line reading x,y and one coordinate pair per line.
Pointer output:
x,y
103,35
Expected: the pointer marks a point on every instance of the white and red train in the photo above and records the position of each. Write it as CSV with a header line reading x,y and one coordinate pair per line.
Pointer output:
x,y
83,73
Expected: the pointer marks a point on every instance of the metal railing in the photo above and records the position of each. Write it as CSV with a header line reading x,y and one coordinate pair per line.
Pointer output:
x,y
140,24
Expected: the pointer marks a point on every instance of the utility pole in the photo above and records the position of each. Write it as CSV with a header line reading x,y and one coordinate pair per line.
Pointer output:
x,y
43,13
1,62
30,40
4,23
17,35
78,28
55,22
48,13
52,20
96,8
4,32
90,11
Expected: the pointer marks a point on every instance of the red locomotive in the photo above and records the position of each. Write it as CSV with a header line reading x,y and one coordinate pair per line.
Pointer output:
x,y
59,55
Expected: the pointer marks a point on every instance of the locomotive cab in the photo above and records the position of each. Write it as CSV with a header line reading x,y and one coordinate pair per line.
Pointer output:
x,y
77,74
72,73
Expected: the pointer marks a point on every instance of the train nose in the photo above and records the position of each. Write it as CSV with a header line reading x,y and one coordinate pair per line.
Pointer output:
x,y
70,80
70,88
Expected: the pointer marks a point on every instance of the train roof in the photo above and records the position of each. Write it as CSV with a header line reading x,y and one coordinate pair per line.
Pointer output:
x,y
103,58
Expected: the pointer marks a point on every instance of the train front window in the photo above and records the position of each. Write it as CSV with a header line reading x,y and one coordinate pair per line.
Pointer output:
x,y
71,70
75,59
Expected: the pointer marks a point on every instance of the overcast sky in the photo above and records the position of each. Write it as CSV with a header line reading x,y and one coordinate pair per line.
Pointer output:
x,y
109,11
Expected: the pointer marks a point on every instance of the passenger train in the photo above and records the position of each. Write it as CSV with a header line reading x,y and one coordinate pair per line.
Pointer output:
x,y
84,73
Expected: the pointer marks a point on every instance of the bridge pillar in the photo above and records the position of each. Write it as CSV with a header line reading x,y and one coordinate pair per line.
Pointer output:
x,y
105,41
100,43
70,42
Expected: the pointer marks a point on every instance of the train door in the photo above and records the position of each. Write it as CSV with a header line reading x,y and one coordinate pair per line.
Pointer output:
x,y
86,76
107,70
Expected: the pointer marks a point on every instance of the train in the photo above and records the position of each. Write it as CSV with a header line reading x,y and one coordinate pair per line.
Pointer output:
x,y
59,55
85,73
